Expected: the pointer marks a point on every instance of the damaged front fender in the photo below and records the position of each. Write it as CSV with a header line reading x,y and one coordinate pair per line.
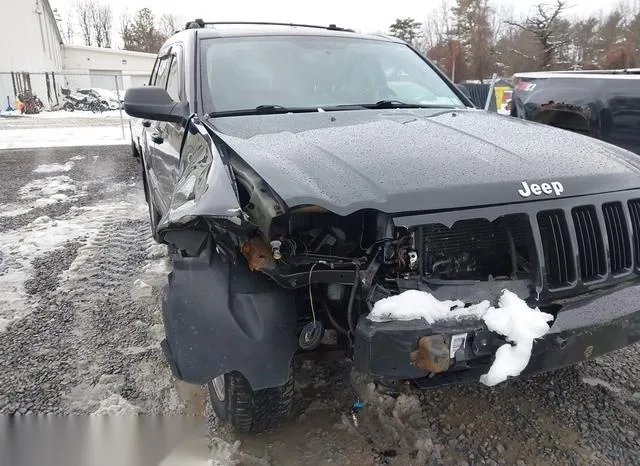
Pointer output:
x,y
220,317
204,189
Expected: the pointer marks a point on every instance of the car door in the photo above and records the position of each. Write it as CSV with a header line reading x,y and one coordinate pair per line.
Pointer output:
x,y
140,125
159,79
167,137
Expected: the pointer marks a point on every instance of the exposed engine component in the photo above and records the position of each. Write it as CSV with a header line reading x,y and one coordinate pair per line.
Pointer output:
x,y
275,248
476,249
311,335
407,254
413,260
336,292
340,265
256,252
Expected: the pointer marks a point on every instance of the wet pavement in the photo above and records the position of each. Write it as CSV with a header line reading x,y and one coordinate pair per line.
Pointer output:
x,y
80,326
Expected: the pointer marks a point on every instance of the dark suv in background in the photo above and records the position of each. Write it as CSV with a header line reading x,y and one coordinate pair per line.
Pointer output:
x,y
302,174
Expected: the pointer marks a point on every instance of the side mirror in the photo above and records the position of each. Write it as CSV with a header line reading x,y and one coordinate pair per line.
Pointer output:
x,y
153,103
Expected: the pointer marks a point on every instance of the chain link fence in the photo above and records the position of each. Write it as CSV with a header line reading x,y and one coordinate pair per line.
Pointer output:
x,y
90,95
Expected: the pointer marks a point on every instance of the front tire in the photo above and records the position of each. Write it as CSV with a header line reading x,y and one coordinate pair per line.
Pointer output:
x,y
246,410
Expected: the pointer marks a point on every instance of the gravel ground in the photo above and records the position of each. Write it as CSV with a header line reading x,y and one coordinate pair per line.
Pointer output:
x,y
80,285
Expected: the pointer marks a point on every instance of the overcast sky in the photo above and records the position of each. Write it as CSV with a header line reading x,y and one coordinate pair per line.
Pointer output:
x,y
361,15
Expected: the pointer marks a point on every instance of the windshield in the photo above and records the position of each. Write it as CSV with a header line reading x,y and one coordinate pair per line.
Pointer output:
x,y
316,72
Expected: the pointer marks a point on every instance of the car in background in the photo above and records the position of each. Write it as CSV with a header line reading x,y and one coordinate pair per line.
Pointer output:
x,y
107,97
604,104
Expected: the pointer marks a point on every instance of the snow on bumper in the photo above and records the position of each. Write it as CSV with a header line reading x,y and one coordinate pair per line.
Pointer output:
x,y
581,330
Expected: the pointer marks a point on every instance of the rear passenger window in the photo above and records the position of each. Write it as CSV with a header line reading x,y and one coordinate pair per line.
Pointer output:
x,y
173,80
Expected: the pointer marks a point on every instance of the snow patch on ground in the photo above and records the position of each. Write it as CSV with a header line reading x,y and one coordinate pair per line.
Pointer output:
x,y
102,398
53,167
595,382
18,248
63,114
11,113
14,210
62,137
141,290
223,453
513,319
115,405
50,190
153,274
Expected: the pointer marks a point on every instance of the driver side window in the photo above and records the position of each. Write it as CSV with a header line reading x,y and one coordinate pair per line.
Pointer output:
x,y
173,83
163,71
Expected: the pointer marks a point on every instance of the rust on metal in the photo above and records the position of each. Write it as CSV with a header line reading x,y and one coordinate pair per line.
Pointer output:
x,y
432,354
257,253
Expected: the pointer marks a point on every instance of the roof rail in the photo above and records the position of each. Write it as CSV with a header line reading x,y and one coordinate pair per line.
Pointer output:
x,y
199,23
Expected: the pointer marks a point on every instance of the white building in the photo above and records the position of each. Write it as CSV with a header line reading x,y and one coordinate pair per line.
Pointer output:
x,y
33,57
99,67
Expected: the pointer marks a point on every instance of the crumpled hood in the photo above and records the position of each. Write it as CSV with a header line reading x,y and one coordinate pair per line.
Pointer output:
x,y
400,161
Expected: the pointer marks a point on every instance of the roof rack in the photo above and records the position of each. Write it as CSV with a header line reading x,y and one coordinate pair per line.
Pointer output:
x,y
199,23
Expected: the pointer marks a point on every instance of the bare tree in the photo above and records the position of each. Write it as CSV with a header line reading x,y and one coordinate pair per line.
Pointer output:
x,y
169,23
101,21
542,26
85,12
497,17
438,25
584,38
65,25
96,27
124,20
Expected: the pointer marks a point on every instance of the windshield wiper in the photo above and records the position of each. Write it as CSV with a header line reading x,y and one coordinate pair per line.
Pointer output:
x,y
266,109
271,109
397,104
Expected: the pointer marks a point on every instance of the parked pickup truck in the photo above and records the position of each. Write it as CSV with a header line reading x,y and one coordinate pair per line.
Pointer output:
x,y
601,104
323,190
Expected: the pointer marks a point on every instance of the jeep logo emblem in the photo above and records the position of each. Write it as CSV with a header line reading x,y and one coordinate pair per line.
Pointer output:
x,y
538,189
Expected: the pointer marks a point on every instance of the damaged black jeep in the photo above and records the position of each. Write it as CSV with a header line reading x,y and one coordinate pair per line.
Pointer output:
x,y
300,174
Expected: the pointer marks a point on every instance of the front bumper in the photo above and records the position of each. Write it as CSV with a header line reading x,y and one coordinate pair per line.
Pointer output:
x,y
582,330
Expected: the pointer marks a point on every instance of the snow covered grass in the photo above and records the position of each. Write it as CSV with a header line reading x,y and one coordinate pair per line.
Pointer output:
x,y
62,137
513,319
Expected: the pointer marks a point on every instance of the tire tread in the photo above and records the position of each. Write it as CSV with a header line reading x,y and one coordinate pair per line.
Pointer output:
x,y
252,412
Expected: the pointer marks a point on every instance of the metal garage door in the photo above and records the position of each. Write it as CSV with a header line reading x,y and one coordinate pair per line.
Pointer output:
x,y
105,79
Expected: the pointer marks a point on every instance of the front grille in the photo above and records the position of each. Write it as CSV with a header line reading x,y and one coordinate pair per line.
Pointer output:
x,y
556,246
618,236
577,247
475,248
590,247
634,211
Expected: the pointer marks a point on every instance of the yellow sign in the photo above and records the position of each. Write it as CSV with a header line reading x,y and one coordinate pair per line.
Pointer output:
x,y
499,91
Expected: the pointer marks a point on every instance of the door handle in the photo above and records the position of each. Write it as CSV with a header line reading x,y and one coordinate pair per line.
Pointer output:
x,y
155,137
146,123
